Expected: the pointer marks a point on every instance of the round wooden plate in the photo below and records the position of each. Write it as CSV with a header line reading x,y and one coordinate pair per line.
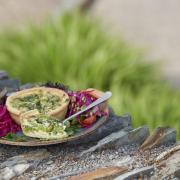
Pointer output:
x,y
37,142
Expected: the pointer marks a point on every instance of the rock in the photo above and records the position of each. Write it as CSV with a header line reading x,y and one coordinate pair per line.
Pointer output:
x,y
65,175
36,155
8,173
161,136
3,96
49,162
113,124
122,137
27,86
101,173
137,174
178,143
170,166
136,136
177,173
17,165
13,161
11,85
164,155
124,161
3,75
13,167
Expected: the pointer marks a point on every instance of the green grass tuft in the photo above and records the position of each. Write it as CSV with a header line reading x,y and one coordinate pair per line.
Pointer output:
x,y
77,52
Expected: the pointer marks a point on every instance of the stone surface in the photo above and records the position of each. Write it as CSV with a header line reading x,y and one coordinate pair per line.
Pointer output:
x,y
167,153
8,173
36,155
10,84
27,86
170,166
136,136
161,135
19,164
65,163
13,167
177,173
3,75
142,173
124,161
122,137
101,173
113,124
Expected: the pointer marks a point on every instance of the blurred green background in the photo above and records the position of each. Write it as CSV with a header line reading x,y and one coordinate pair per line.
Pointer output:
x,y
76,51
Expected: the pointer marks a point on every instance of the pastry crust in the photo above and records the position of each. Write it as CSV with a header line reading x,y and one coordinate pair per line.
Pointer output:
x,y
26,119
59,112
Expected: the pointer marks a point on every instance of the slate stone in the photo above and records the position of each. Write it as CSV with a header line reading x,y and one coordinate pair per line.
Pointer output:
x,y
136,136
27,86
11,85
13,167
3,75
17,165
120,138
170,166
177,173
123,161
113,124
141,173
164,155
8,173
161,136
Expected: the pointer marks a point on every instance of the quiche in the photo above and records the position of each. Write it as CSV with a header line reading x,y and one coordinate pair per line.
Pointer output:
x,y
42,126
48,101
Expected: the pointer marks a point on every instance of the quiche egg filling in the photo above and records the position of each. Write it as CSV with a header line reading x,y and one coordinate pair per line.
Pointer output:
x,y
43,102
45,127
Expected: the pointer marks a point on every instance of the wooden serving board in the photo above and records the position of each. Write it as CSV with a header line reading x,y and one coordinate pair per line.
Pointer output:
x,y
37,142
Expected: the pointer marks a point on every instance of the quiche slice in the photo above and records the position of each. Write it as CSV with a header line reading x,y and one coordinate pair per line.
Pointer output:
x,y
42,126
50,101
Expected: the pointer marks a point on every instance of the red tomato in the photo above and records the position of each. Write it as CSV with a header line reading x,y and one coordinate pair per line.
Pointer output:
x,y
90,120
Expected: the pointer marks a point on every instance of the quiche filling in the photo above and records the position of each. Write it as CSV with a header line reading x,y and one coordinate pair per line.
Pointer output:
x,y
42,126
42,101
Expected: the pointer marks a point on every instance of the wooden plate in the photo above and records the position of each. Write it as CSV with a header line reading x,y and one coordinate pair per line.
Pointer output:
x,y
37,142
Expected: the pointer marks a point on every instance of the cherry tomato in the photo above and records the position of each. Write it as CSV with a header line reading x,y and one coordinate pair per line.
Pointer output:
x,y
90,120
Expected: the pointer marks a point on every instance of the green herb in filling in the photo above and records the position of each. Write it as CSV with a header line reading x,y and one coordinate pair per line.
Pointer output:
x,y
44,123
42,102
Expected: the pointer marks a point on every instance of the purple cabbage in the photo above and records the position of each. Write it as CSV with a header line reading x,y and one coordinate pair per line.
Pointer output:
x,y
80,100
7,125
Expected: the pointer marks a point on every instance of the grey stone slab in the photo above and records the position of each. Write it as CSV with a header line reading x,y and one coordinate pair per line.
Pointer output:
x,y
161,136
10,84
17,165
137,173
120,138
136,136
167,153
3,75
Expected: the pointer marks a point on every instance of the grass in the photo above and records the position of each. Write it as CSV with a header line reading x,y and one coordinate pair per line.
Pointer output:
x,y
76,51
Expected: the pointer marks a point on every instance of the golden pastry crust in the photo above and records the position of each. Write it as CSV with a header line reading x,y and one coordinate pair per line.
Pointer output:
x,y
59,112
37,131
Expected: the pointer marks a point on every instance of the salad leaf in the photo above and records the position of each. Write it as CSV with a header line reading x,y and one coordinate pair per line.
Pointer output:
x,y
16,137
